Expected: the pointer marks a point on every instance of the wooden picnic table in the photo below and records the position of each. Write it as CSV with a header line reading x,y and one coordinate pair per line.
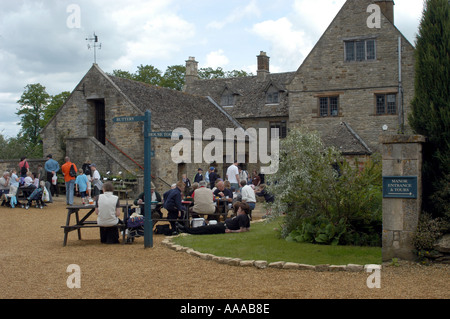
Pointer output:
x,y
85,223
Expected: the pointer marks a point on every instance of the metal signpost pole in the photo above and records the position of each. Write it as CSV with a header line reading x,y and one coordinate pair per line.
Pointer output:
x,y
148,222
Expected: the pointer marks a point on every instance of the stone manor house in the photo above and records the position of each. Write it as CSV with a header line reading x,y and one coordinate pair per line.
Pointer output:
x,y
355,85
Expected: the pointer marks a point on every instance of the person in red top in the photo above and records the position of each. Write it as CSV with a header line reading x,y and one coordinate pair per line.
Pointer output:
x,y
70,180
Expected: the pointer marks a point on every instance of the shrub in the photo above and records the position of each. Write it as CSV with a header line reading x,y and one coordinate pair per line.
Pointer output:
x,y
429,229
326,200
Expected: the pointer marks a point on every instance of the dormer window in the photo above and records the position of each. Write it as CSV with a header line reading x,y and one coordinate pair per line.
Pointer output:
x,y
272,96
227,98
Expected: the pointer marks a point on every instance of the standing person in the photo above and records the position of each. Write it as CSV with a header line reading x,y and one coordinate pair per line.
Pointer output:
x,y
95,181
87,171
69,179
41,173
107,208
212,177
172,202
243,175
24,167
256,179
199,176
81,184
187,184
233,174
52,167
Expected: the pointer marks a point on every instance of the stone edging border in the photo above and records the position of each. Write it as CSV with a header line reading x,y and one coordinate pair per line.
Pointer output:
x,y
262,264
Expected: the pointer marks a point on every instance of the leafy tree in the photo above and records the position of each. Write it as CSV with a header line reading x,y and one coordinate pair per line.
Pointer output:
x,y
148,74
123,74
174,77
431,104
56,102
210,73
33,102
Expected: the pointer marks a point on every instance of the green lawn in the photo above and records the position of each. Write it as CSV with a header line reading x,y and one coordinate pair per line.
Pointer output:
x,y
264,243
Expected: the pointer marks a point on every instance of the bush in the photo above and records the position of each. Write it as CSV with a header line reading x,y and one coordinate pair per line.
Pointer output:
x,y
326,200
429,229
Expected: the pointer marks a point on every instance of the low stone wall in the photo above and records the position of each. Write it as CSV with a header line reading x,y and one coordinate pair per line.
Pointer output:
x,y
263,264
8,165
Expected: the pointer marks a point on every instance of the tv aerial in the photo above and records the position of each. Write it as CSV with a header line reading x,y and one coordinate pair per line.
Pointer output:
x,y
95,45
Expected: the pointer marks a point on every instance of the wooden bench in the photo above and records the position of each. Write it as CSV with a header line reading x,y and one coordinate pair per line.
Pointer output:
x,y
84,223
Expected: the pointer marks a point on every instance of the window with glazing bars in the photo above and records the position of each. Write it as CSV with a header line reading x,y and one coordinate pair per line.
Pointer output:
x,y
361,50
386,104
329,106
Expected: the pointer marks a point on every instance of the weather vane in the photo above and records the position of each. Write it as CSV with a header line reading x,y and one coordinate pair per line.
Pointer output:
x,y
95,46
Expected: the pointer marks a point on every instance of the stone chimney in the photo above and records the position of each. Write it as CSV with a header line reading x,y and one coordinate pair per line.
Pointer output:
x,y
263,66
191,71
387,8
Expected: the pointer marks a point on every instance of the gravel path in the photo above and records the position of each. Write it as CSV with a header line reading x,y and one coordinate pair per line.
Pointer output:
x,y
33,264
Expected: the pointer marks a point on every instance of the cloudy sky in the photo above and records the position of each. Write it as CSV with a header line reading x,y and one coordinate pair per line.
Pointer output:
x,y
44,41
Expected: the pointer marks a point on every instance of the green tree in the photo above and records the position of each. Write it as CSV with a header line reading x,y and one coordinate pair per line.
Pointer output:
x,y
56,102
148,74
174,77
33,102
430,114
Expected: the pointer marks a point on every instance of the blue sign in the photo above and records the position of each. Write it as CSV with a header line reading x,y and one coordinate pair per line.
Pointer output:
x,y
167,134
124,119
400,186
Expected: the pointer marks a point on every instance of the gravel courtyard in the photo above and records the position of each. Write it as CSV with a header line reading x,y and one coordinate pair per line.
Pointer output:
x,y
33,264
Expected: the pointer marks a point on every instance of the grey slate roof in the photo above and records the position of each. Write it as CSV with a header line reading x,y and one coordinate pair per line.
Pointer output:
x,y
171,109
250,94
346,140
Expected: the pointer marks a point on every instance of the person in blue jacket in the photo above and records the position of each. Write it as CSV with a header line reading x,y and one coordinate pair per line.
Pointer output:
x,y
172,202
52,167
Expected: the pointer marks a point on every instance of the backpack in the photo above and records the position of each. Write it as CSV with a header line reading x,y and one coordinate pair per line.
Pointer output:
x,y
23,170
72,171
163,230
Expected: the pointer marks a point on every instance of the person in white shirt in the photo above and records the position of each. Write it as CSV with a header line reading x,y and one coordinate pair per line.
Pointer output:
x,y
95,180
233,175
248,195
107,208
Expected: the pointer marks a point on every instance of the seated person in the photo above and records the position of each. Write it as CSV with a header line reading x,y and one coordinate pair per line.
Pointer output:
x,y
224,194
107,208
155,207
269,198
203,200
28,185
238,224
4,183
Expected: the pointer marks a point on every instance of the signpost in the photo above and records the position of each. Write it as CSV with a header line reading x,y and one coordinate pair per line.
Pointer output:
x,y
148,154
400,186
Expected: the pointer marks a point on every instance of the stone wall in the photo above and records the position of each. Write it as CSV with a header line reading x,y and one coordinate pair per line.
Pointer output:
x,y
326,73
401,156
7,165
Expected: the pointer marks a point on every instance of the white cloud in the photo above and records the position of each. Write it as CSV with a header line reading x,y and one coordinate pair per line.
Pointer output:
x,y
316,16
288,46
239,13
216,59
150,30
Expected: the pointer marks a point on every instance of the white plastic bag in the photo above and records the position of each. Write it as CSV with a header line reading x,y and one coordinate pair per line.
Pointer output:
x,y
45,195
54,179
